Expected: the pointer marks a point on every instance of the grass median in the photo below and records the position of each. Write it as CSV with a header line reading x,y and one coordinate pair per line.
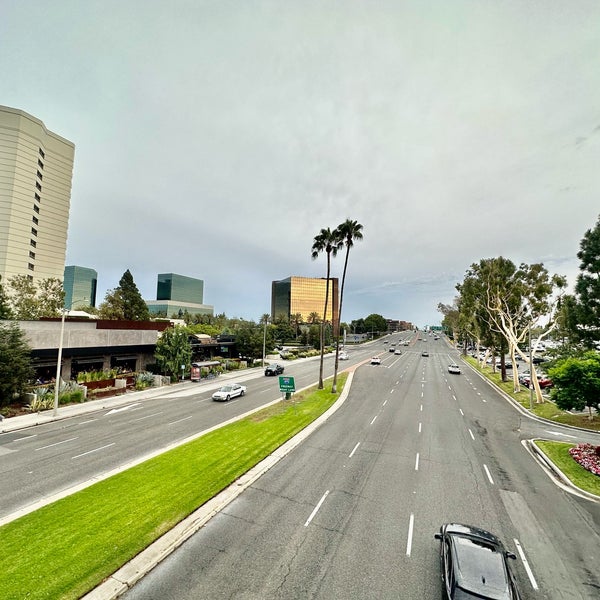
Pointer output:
x,y
67,548
558,453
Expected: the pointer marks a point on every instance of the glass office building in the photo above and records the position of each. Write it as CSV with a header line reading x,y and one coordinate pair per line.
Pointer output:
x,y
80,284
178,294
304,295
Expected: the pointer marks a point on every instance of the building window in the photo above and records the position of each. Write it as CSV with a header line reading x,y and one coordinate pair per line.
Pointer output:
x,y
33,231
38,197
36,208
40,164
35,220
32,243
42,153
40,176
38,186
31,254
30,267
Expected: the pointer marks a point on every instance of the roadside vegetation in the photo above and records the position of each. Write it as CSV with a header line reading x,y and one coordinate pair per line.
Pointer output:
x,y
75,543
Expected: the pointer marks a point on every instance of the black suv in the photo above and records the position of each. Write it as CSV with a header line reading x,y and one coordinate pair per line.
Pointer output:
x,y
275,369
474,564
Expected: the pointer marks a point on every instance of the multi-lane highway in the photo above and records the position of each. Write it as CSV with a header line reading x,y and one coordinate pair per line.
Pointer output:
x,y
351,512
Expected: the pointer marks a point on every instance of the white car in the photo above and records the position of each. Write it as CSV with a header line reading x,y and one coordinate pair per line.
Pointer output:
x,y
376,360
227,392
454,369
343,356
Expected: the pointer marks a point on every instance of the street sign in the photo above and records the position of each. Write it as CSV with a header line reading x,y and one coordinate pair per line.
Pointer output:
x,y
286,384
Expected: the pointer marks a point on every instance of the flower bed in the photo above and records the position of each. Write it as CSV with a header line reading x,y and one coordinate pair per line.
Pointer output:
x,y
588,456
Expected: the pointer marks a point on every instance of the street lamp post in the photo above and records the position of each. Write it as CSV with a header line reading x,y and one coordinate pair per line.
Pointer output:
x,y
264,341
58,363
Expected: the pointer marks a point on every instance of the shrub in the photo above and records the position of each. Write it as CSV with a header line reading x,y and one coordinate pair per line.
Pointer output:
x,y
588,456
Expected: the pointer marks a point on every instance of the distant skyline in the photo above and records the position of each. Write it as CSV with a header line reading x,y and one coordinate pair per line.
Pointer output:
x,y
215,139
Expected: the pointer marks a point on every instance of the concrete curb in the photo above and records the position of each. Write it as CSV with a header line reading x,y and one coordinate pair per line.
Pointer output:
x,y
543,458
123,579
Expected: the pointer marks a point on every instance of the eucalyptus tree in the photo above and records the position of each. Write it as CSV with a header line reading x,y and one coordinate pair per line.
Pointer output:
x,y
326,241
514,300
347,232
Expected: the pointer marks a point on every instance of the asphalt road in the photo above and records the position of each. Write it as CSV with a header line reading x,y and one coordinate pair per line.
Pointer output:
x,y
352,511
38,463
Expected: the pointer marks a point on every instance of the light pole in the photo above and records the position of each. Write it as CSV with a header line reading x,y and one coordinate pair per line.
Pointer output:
x,y
58,363
530,369
265,319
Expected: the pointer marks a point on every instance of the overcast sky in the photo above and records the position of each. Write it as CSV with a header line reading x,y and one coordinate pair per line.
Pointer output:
x,y
215,139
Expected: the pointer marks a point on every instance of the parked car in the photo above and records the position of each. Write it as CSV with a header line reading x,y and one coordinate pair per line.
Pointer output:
x,y
543,380
227,392
375,360
274,369
475,564
343,356
454,369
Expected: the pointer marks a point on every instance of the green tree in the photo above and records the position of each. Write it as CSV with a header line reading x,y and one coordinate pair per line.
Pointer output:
x,y
329,242
112,307
15,363
587,289
513,300
375,324
173,349
348,232
249,339
30,301
135,309
5,311
124,302
577,382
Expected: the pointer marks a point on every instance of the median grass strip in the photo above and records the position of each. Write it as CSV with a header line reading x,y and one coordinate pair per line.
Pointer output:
x,y
558,453
65,549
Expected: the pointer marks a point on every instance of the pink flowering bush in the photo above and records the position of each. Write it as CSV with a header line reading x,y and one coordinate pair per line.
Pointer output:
x,y
588,456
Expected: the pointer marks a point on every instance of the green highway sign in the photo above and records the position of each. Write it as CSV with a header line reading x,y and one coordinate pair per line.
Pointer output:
x,y
286,384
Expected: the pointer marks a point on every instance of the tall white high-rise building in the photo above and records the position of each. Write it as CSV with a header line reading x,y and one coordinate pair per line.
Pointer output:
x,y
36,169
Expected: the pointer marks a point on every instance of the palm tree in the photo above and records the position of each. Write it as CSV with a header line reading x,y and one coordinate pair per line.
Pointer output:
x,y
296,320
326,241
314,318
347,232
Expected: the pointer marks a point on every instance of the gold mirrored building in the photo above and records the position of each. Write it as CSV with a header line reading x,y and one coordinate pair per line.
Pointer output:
x,y
304,295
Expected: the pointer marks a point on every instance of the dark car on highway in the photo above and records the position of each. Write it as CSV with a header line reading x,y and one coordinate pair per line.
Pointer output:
x,y
274,369
474,564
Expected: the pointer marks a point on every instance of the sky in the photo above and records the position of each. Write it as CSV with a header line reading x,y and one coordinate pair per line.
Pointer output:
x,y
215,139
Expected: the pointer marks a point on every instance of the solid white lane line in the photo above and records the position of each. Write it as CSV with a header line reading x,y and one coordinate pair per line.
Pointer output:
x,y
57,444
534,584
354,450
92,451
411,524
471,434
417,462
179,420
373,421
316,509
489,475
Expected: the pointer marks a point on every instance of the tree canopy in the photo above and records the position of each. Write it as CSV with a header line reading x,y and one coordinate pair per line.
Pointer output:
x,y
124,302
173,349
15,362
